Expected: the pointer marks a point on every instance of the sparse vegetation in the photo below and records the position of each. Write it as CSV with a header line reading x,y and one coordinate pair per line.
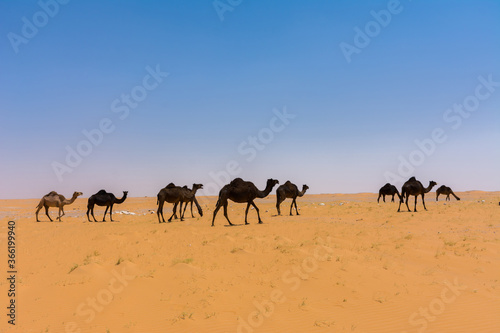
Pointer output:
x,y
182,261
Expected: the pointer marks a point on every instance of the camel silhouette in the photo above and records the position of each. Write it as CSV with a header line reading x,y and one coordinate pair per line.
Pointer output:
x,y
241,191
445,190
173,194
53,199
289,190
415,188
388,189
103,198
189,197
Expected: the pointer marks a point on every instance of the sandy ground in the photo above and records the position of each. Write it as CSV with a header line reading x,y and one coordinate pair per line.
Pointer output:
x,y
346,264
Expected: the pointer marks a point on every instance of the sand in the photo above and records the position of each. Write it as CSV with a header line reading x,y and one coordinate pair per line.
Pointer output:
x,y
346,264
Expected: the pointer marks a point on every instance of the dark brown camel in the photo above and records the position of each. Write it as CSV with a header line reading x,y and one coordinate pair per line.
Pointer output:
x,y
445,190
103,198
173,194
53,199
241,191
388,189
415,188
189,197
289,190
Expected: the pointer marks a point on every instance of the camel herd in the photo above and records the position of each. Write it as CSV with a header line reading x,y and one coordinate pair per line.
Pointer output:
x,y
413,187
237,190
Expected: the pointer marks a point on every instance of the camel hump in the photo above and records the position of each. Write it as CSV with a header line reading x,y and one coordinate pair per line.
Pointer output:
x,y
51,193
412,179
101,192
171,185
185,187
388,184
288,182
237,181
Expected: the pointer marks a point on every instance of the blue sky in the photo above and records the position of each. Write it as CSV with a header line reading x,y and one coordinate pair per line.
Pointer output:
x,y
353,124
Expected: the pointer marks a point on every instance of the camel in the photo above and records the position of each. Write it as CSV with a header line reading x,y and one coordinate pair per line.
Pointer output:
x,y
415,188
53,199
103,198
388,189
173,194
289,190
445,190
188,198
241,191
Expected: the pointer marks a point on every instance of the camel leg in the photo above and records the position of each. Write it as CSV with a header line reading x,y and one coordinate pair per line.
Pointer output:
x,y
111,212
160,211
184,211
400,202
181,212
174,213
408,197
105,212
215,214
415,203
200,211
257,210
246,212
37,210
47,213
383,197
423,201
296,209
392,200
291,207
378,199
225,213
58,218
192,215
448,197
88,210
279,201
92,212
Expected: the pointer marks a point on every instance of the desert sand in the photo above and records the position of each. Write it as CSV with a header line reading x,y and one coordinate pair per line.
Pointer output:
x,y
346,264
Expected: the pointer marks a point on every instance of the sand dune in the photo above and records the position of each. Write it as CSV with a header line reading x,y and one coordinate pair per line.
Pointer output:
x,y
346,264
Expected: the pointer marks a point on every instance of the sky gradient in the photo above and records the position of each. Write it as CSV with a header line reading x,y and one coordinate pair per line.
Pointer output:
x,y
265,92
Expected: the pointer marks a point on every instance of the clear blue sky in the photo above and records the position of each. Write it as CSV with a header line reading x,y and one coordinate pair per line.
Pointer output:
x,y
354,120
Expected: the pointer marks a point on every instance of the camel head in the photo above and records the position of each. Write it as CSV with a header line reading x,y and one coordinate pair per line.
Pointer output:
x,y
77,194
197,186
432,183
125,193
305,187
272,182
